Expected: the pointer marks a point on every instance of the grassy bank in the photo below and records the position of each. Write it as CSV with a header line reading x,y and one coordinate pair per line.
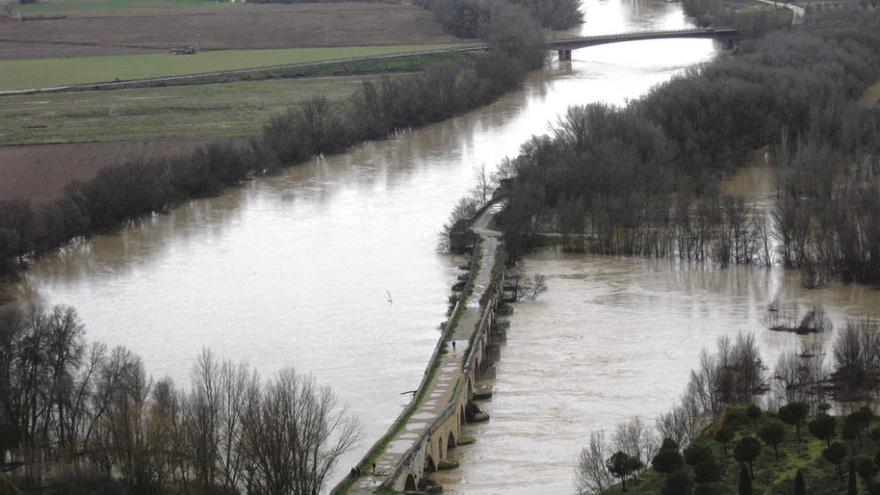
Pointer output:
x,y
177,112
43,73
772,476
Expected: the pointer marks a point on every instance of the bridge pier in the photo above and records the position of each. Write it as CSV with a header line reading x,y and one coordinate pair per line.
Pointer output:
x,y
728,42
564,55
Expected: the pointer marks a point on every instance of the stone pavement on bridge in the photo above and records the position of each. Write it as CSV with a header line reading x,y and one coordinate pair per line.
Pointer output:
x,y
440,388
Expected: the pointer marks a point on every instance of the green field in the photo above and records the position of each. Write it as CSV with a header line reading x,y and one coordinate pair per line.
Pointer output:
x,y
44,73
176,112
115,5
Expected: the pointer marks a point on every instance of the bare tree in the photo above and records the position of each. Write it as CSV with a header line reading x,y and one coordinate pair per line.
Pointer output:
x,y
636,440
203,409
163,423
592,474
800,376
484,184
295,432
538,287
676,424
856,352
64,352
233,386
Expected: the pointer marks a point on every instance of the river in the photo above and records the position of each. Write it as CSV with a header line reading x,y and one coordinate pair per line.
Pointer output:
x,y
292,270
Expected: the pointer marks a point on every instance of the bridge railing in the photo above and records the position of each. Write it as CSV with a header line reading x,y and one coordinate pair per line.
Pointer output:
x,y
425,436
407,411
644,34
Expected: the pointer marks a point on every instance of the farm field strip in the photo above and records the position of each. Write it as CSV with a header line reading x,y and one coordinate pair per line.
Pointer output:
x,y
173,112
47,73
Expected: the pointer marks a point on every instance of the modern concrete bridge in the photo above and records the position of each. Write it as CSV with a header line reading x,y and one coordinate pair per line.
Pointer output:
x,y
565,45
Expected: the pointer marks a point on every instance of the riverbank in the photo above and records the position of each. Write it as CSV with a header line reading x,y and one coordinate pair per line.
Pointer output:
x,y
50,140
775,465
119,194
38,174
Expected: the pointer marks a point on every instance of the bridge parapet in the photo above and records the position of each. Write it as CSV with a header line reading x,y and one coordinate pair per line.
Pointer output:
x,y
568,44
421,437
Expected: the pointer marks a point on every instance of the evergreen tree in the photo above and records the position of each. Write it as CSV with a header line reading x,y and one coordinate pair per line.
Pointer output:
x,y
745,481
853,490
747,450
799,488
754,413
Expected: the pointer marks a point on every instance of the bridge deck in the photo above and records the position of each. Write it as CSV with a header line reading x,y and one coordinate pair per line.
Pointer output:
x,y
440,390
584,41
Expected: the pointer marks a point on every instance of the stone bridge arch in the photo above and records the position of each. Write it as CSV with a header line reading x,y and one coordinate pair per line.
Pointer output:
x,y
410,484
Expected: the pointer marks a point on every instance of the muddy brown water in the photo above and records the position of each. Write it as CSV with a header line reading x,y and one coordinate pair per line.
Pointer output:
x,y
293,270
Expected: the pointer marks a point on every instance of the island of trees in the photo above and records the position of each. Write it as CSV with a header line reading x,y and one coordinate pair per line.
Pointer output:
x,y
644,180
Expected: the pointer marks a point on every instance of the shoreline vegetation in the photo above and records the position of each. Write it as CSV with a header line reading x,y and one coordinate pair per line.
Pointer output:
x,y
645,180
82,419
740,429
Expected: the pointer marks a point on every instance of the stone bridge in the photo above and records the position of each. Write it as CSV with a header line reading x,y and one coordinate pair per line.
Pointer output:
x,y
420,440
564,46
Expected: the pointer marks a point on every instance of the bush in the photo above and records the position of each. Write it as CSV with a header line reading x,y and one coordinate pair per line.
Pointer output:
x,y
678,483
667,461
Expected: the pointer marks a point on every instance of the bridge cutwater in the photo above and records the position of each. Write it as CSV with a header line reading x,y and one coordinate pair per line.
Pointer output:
x,y
564,46
420,440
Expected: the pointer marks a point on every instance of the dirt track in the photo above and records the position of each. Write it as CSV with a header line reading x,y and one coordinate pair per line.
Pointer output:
x,y
247,26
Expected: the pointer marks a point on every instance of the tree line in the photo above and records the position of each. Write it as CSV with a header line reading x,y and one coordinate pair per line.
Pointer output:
x,y
645,179
730,14
120,194
472,18
91,420
469,18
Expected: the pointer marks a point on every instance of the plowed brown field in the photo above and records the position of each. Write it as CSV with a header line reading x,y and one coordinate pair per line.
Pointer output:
x,y
240,27
39,173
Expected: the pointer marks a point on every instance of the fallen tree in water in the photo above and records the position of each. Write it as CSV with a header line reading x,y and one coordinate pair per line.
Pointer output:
x,y
788,319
